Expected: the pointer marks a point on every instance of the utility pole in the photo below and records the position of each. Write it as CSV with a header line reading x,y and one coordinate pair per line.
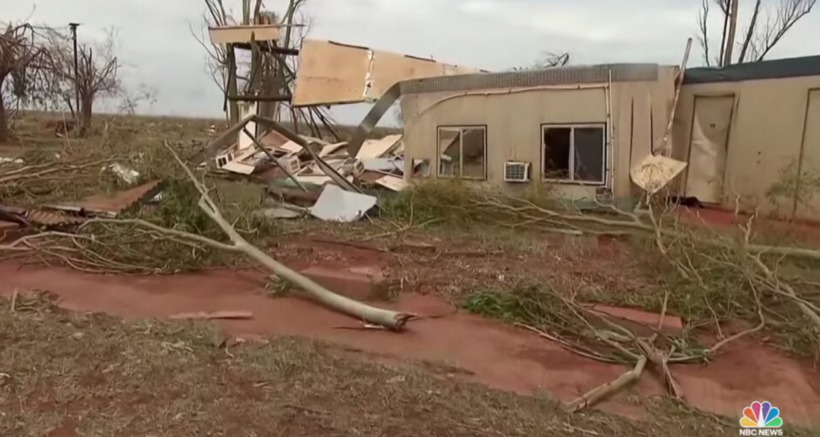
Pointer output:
x,y
73,27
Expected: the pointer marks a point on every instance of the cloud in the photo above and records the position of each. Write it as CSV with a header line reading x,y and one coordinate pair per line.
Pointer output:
x,y
160,51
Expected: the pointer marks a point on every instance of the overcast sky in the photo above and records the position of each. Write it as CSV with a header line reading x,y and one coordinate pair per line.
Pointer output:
x,y
158,49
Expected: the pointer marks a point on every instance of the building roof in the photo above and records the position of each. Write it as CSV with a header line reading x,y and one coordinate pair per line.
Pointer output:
x,y
774,69
574,75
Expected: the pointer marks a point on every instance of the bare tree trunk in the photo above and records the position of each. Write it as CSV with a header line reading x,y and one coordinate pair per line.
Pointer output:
x,y
5,134
724,7
750,32
86,112
730,39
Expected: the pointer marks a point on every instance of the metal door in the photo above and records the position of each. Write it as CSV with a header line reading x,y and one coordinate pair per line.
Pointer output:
x,y
708,147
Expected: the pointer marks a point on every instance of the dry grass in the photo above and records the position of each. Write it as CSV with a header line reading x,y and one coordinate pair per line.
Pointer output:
x,y
99,376
36,130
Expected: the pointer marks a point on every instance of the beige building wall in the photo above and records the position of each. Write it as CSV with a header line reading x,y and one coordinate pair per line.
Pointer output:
x,y
767,134
514,118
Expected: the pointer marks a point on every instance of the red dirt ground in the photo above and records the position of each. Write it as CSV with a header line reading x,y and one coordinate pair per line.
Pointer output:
x,y
805,231
491,353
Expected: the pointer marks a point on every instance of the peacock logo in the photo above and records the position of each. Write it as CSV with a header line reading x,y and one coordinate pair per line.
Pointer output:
x,y
761,415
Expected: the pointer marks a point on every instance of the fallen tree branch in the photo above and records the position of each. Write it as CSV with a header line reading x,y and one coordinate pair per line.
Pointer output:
x,y
626,223
796,252
806,309
578,350
596,395
389,319
660,362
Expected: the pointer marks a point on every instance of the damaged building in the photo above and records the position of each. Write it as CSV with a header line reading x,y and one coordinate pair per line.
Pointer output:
x,y
578,129
747,134
747,131
744,133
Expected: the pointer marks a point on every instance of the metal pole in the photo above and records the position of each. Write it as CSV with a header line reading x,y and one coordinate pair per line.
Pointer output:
x,y
73,27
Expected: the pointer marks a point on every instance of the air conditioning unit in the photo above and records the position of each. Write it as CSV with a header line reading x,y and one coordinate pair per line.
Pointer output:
x,y
352,167
516,171
223,160
291,163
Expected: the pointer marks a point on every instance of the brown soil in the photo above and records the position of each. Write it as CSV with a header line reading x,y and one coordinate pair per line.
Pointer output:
x,y
74,374
489,352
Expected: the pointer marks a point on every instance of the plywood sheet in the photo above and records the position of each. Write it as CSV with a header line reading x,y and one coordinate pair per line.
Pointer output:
x,y
389,68
331,149
708,149
330,73
243,34
393,183
377,148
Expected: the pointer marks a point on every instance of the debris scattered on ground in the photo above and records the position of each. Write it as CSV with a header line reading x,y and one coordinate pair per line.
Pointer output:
x,y
111,205
129,176
337,205
282,212
5,160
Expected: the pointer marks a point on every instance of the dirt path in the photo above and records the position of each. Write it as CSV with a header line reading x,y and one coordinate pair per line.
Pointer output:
x,y
487,351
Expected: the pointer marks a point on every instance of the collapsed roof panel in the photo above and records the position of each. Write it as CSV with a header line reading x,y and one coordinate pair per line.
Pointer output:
x,y
332,73
389,68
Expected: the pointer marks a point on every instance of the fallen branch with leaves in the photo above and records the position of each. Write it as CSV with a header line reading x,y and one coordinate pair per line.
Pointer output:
x,y
81,252
702,260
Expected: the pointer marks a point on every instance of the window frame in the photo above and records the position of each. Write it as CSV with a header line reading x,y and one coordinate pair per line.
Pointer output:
x,y
461,128
572,127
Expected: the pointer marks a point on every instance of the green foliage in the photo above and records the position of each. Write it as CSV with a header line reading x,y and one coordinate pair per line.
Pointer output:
x,y
795,185
136,249
179,210
444,200
523,303
717,282
454,202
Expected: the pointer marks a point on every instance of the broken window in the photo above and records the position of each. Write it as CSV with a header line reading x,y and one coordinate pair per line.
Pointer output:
x,y
421,168
462,152
574,153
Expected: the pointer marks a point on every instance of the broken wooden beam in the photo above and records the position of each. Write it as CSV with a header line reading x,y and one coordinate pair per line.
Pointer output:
x,y
268,48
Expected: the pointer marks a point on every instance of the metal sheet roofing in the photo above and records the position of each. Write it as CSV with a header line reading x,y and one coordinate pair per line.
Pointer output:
x,y
773,69
575,75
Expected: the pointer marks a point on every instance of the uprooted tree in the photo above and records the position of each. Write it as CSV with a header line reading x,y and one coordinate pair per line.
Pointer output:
x,y
19,58
96,76
768,23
